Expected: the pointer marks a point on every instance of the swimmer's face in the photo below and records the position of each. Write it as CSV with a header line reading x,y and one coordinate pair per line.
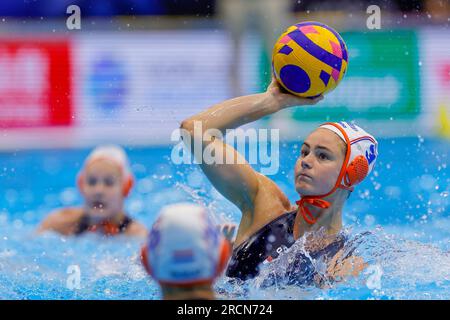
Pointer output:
x,y
102,188
321,159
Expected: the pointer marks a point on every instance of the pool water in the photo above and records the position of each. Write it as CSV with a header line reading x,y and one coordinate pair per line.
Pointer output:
x,y
397,220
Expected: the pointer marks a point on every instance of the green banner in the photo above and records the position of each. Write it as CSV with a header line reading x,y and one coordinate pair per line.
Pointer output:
x,y
382,81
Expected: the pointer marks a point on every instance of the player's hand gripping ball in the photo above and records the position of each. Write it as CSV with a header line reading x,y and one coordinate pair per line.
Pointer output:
x,y
309,59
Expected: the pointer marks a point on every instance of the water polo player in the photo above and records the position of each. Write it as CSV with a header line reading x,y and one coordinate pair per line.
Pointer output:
x,y
185,252
334,158
104,182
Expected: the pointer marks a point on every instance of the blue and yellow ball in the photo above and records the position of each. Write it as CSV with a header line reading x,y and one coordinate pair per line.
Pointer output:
x,y
309,59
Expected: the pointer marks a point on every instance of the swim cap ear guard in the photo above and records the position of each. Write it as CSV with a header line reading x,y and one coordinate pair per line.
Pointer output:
x,y
128,185
145,261
360,157
356,171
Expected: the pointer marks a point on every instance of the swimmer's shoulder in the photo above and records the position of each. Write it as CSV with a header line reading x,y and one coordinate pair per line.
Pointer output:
x,y
270,203
136,229
64,220
269,191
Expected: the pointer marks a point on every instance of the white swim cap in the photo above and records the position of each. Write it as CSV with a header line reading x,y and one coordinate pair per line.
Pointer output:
x,y
362,152
117,155
112,153
185,247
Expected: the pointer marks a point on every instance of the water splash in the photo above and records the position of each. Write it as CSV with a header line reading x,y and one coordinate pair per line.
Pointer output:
x,y
396,268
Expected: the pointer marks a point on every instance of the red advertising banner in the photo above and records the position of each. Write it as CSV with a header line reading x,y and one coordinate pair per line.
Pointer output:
x,y
35,83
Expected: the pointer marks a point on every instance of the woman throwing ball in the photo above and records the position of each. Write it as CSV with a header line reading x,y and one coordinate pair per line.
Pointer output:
x,y
309,59
334,158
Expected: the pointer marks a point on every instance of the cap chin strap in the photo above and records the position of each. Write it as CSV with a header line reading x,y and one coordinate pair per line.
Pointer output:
x,y
318,202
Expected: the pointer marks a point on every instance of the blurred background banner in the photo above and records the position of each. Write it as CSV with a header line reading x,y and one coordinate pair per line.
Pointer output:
x,y
35,82
381,83
435,89
142,85
137,68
